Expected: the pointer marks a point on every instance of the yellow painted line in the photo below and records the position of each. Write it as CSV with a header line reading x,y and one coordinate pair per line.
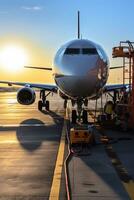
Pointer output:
x,y
55,188
130,188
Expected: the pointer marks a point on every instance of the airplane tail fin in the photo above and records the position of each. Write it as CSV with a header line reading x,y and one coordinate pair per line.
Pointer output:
x,y
78,24
41,68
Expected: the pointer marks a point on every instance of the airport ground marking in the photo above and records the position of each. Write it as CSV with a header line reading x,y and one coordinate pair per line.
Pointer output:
x,y
55,188
126,179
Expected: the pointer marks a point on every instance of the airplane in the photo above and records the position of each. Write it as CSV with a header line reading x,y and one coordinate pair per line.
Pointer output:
x,y
80,71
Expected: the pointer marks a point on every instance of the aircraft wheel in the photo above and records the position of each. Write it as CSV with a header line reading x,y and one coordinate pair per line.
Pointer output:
x,y
65,104
40,105
47,105
73,102
86,102
84,117
74,116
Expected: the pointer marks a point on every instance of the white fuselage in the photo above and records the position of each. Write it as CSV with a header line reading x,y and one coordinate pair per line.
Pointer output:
x,y
81,69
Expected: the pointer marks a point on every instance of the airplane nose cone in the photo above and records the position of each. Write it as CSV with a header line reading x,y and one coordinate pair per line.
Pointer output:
x,y
80,86
80,66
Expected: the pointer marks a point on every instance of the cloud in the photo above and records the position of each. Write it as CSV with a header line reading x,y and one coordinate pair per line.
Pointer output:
x,y
34,8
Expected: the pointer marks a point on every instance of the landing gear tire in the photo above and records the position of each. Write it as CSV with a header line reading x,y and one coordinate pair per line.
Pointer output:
x,y
73,102
74,116
84,117
40,105
47,105
86,102
65,104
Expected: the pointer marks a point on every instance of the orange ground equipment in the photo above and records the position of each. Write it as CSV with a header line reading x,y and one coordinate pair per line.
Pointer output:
x,y
81,134
125,50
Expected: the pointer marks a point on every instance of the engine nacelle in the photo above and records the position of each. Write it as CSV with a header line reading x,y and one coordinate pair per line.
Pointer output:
x,y
26,96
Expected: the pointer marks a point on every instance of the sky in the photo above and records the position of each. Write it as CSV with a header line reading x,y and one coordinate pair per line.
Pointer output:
x,y
39,27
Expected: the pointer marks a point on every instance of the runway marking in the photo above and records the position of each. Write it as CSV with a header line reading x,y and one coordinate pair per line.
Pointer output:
x,y
55,188
126,179
22,125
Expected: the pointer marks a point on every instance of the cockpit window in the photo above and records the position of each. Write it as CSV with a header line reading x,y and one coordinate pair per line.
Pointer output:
x,y
89,51
72,51
84,51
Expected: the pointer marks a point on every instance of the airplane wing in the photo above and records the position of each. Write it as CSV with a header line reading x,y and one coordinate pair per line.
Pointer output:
x,y
48,87
112,87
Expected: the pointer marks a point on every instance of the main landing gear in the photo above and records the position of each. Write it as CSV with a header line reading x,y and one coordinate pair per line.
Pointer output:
x,y
81,114
43,103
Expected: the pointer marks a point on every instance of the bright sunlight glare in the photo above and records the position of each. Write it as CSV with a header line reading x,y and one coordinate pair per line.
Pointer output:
x,y
13,58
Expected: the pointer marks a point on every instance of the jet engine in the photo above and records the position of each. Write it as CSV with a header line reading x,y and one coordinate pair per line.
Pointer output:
x,y
26,96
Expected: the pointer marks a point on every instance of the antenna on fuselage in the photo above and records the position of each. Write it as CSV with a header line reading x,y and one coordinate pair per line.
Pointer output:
x,y
78,24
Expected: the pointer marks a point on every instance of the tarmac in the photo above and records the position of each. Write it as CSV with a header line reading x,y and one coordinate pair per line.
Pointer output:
x,y
29,142
33,150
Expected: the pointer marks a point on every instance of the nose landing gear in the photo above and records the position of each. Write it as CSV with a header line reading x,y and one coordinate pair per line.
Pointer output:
x,y
74,116
80,114
84,117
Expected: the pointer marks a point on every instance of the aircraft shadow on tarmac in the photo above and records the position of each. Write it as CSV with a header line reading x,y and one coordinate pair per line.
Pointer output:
x,y
54,115
31,137
32,132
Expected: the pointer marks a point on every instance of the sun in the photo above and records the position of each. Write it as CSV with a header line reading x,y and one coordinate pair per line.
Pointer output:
x,y
13,58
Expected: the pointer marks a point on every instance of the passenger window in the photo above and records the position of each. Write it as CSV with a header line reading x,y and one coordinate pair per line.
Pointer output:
x,y
72,51
89,51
